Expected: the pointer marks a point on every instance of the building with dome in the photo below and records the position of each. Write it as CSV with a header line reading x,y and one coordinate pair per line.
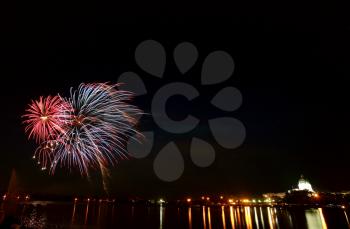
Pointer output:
x,y
304,185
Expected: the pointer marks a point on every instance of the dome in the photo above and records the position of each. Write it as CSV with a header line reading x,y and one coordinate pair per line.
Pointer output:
x,y
303,184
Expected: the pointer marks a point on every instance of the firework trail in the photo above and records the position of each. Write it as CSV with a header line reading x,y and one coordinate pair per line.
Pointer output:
x,y
86,131
44,154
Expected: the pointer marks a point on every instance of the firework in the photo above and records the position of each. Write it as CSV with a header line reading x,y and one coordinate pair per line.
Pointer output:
x,y
44,153
90,130
44,118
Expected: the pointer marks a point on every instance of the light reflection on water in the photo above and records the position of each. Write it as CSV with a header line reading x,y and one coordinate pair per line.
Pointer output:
x,y
73,214
248,217
232,217
261,217
86,213
347,218
161,217
223,217
204,218
190,218
315,218
209,218
35,219
105,215
256,218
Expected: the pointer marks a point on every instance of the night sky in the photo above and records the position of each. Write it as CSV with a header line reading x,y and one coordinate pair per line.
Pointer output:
x,y
291,66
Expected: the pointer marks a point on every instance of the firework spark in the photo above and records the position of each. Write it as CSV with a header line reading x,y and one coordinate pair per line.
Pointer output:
x,y
44,118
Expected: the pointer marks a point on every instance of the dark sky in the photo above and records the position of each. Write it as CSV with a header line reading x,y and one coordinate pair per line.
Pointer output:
x,y
291,65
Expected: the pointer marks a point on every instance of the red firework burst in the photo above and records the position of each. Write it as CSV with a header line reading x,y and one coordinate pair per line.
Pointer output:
x,y
44,118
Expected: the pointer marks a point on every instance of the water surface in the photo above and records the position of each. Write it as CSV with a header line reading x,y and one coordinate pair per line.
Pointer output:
x,y
108,215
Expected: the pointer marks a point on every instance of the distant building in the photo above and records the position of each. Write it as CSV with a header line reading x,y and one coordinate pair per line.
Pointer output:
x,y
304,185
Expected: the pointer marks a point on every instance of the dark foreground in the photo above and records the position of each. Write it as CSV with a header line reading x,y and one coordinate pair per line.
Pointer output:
x,y
107,215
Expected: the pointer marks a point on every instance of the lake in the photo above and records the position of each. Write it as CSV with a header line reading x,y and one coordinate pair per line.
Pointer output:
x,y
109,215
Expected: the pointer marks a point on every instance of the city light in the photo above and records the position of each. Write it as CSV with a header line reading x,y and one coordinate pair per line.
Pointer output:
x,y
207,201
